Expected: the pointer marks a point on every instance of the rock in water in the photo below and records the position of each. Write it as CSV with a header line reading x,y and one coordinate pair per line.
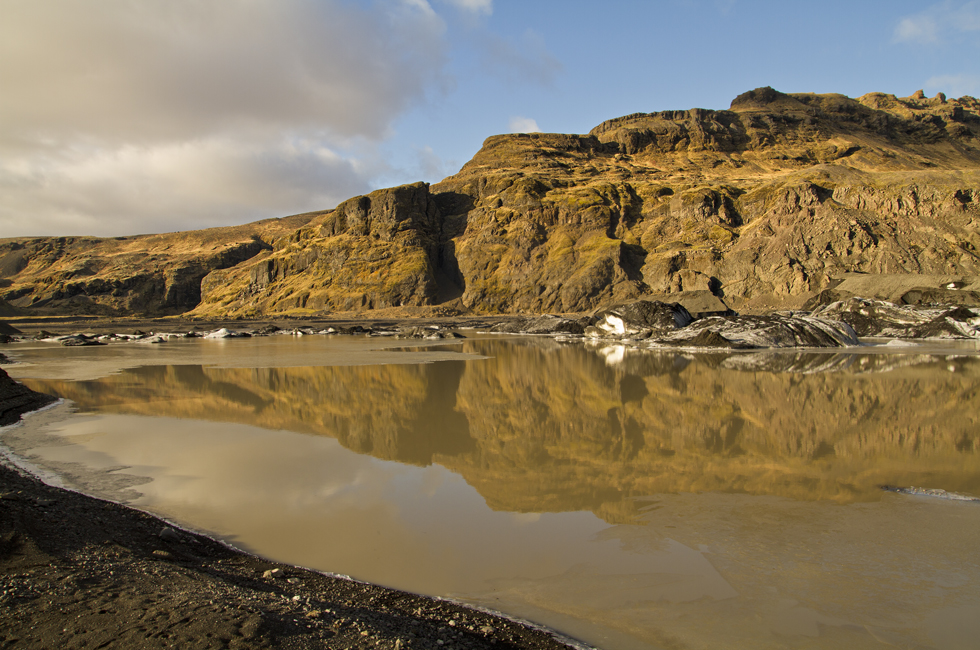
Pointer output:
x,y
769,331
639,318
76,340
885,319
225,333
427,333
17,399
546,324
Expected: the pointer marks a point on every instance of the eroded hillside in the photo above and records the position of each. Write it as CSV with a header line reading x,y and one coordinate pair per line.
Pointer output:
x,y
139,275
766,204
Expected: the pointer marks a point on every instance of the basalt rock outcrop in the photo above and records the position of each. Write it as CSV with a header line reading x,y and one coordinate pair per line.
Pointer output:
x,y
769,204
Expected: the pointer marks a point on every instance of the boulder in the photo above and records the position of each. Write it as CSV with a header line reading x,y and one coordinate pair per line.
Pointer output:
x,y
80,340
426,333
640,318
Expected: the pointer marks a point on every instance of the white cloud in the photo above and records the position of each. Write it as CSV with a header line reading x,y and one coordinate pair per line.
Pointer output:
x,y
177,185
938,23
917,29
523,125
955,85
120,117
484,7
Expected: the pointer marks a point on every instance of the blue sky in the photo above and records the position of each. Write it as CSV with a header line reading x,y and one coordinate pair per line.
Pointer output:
x,y
124,117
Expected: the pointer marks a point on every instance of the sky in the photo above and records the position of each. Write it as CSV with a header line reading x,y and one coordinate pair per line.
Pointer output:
x,y
121,117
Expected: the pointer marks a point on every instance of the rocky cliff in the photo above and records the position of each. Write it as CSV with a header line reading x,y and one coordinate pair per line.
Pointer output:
x,y
139,275
767,204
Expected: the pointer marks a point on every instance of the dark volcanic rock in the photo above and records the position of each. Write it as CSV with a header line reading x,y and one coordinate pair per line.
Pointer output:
x,y
17,399
709,338
880,318
78,340
769,331
427,333
641,318
546,324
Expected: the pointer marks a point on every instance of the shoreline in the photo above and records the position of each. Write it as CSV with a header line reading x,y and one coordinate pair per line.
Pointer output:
x,y
81,572
77,571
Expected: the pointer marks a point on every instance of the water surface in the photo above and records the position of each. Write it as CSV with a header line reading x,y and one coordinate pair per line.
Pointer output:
x,y
632,499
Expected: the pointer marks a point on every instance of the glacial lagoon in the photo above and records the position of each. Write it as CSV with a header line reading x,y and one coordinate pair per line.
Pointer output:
x,y
627,498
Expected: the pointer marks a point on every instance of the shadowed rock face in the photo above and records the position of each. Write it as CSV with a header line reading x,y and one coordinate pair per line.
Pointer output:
x,y
17,399
768,204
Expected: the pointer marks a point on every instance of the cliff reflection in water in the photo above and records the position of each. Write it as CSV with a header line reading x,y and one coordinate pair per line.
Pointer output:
x,y
547,427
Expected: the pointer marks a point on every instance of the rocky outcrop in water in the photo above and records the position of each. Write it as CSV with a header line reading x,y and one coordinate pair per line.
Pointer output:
x,y
769,204
880,318
659,324
17,399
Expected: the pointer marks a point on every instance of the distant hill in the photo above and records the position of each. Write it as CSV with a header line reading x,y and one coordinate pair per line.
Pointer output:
x,y
769,204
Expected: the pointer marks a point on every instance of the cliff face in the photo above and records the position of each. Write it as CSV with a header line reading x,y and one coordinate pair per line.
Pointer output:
x,y
379,250
765,204
140,275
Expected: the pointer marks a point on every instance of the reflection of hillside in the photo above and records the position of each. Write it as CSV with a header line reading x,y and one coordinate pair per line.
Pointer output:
x,y
583,431
394,412
547,427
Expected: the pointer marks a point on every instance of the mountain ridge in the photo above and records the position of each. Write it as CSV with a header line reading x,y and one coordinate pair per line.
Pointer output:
x,y
767,204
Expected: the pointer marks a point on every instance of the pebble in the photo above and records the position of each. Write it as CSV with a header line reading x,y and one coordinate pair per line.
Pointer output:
x,y
170,535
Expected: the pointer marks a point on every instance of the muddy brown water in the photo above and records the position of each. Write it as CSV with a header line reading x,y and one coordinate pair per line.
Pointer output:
x,y
631,499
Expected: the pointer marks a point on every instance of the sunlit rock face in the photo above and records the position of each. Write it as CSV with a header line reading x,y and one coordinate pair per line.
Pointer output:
x,y
766,205
139,275
544,426
375,251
